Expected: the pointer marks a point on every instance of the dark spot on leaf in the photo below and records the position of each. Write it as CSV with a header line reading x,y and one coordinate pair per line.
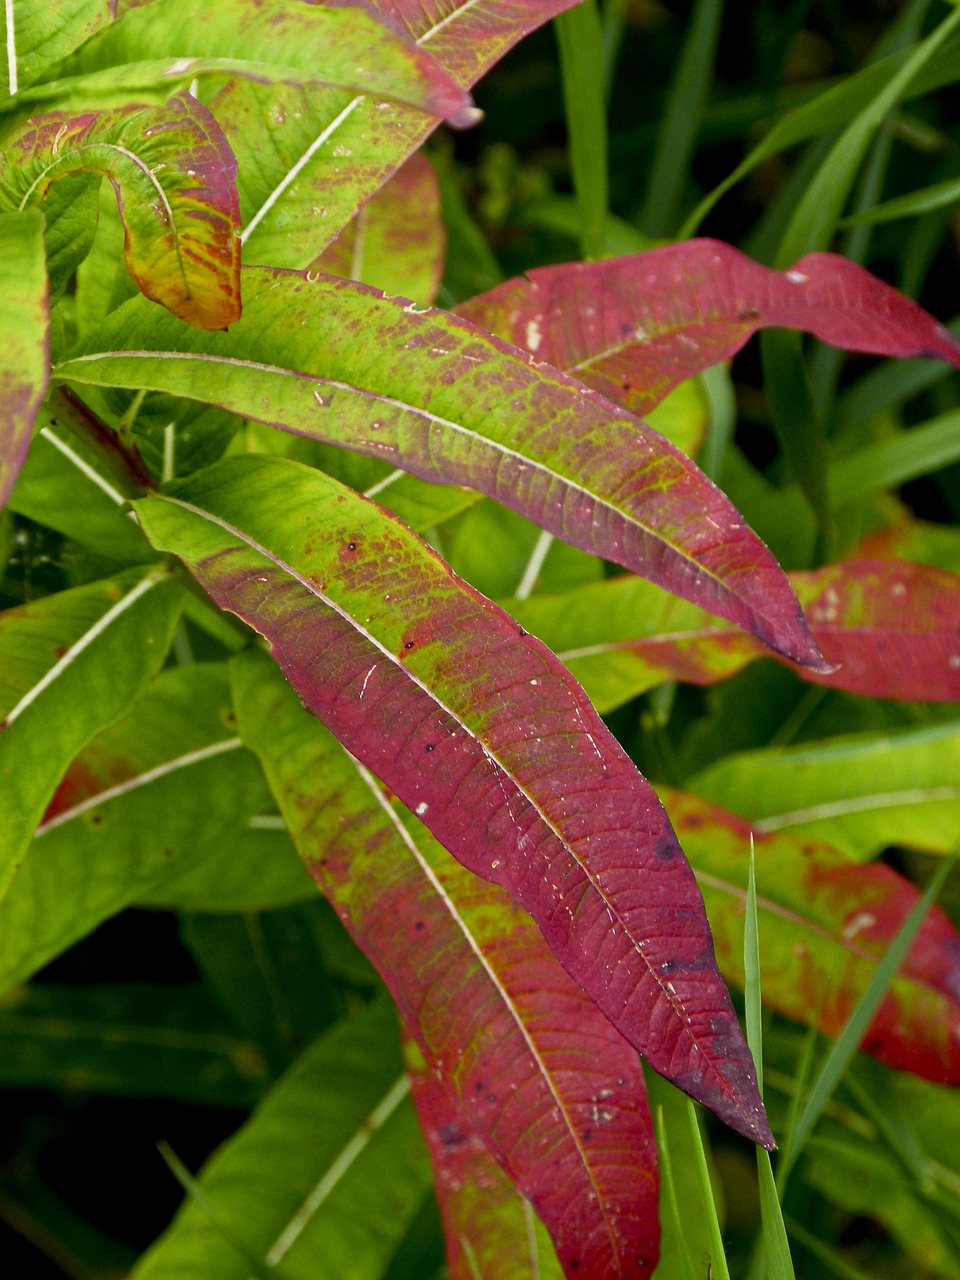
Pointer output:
x,y
491,1097
429,747
479,1086
748,313
419,926
665,850
351,546
59,651
451,1136
520,631
587,1135
408,644
626,386
96,819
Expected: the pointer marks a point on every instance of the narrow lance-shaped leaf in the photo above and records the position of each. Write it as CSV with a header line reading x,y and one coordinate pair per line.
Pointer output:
x,y
552,1089
891,627
310,158
24,338
70,665
174,175
431,393
336,46
825,924
635,327
491,1230
479,730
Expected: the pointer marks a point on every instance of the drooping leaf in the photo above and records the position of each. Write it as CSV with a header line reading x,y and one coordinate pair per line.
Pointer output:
x,y
24,338
891,628
174,175
862,792
309,158
490,1228
44,34
461,713
396,241
70,665
825,922
633,328
322,1180
432,394
326,44
129,1039
544,1079
147,799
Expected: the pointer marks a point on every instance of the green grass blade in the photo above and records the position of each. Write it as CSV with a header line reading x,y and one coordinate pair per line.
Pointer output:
x,y
613,22
751,969
844,1047
926,200
718,1258
681,120
793,411
888,463
675,1260
581,63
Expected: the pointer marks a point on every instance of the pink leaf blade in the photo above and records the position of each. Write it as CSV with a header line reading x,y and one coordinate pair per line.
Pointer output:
x,y
825,924
487,723
175,179
555,1091
634,328
25,333
450,403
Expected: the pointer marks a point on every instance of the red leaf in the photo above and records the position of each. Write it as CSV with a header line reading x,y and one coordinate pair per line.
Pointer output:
x,y
633,328
825,924
478,729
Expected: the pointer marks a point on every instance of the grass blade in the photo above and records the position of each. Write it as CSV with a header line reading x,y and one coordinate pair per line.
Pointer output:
x,y
581,63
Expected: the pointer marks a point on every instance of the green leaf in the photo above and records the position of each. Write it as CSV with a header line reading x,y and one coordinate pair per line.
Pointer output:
x,y
862,792
24,337
43,34
174,175
331,1207
71,665
581,65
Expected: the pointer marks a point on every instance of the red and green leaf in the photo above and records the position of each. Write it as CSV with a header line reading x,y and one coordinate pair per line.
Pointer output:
x,y
556,1093
478,729
633,328
891,629
24,338
825,924
434,395
174,175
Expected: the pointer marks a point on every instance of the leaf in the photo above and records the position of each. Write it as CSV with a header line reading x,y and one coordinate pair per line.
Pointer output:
x,y
459,712
889,627
174,175
145,801
334,1206
490,1228
45,33
70,665
633,328
397,239
825,924
450,403
545,1081
862,792
24,338
128,1039
309,158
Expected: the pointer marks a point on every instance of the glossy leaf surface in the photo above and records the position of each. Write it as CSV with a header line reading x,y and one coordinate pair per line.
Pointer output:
x,y
174,175
890,627
309,158
489,1227
825,923
554,1091
70,665
635,327
432,394
24,338
146,800
293,1187
862,792
459,712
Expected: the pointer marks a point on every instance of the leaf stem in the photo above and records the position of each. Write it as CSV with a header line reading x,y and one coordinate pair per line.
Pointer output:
x,y
122,460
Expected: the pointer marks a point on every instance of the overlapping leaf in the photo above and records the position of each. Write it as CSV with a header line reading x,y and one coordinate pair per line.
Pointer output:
x,y
476,727
324,44
70,665
428,392
24,338
555,1092
862,792
44,34
825,923
490,1228
635,327
174,175
310,158
891,628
